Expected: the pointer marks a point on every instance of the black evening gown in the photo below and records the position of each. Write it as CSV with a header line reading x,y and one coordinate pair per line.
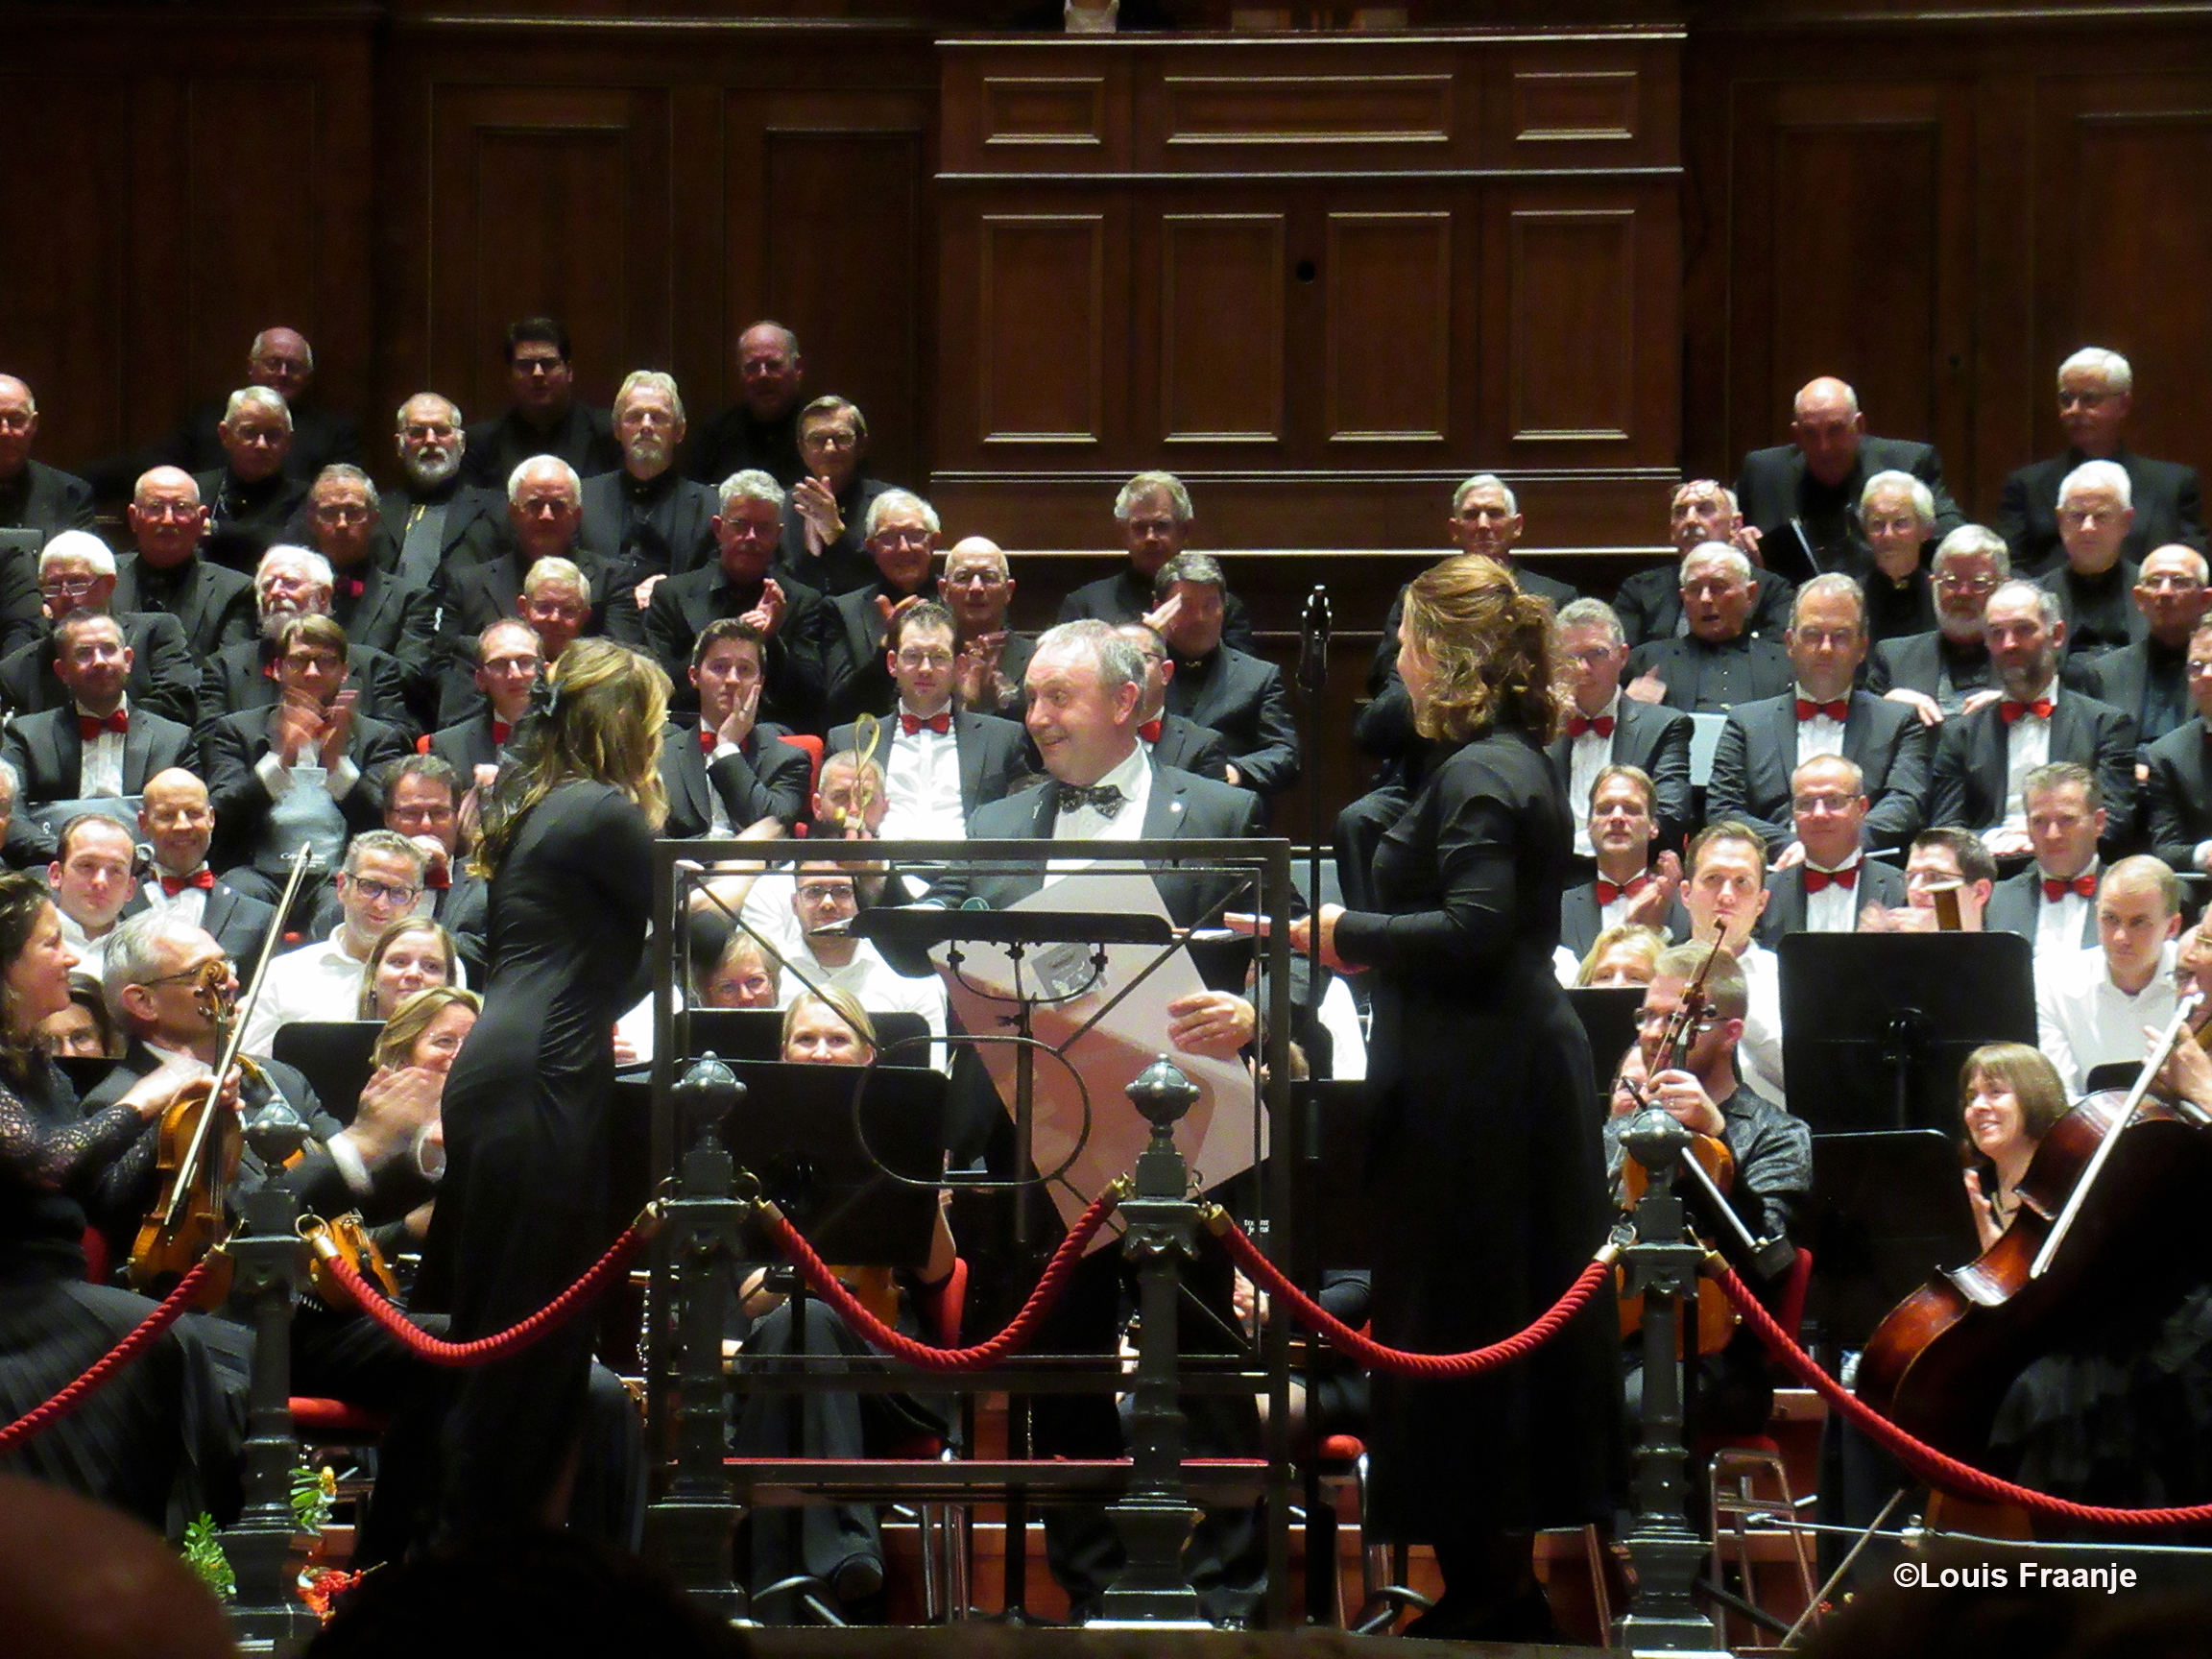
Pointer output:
x,y
522,1208
1486,1154
158,1440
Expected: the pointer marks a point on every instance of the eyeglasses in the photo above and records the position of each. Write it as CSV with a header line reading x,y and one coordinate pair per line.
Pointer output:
x,y
974,579
1966,584
375,890
198,971
924,659
69,586
830,439
167,511
344,512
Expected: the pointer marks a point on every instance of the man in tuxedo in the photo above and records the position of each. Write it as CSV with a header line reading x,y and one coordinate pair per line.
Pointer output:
x,y
978,587
168,572
289,584
507,666
1946,670
1605,729
2095,511
2096,389
435,519
1229,691
1801,497
1765,743
76,573
2092,1006
792,618
2177,787
1897,521
759,432
298,771
34,497
1984,758
645,519
1718,664
1649,602
903,531
423,796
544,419
1831,882
379,609
2150,679
1172,739
97,744
1628,890
177,823
2052,903
90,877
825,518
1153,514
733,769
252,499
940,763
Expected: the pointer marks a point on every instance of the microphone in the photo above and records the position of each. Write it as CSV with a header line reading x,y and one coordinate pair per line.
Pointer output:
x,y
1313,641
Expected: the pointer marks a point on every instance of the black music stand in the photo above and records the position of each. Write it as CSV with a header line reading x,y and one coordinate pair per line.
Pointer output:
x,y
1875,1025
1610,1015
1887,1212
757,1034
336,1057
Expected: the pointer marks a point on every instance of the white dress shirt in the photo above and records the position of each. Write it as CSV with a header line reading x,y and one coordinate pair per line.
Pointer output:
x,y
99,769
922,786
2027,746
1133,776
1835,909
2084,1021
189,906
1587,755
1817,737
314,982
91,953
1759,1054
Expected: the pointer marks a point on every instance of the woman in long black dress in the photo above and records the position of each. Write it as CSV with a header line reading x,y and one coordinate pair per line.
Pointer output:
x,y
157,1440
522,1209
1486,1145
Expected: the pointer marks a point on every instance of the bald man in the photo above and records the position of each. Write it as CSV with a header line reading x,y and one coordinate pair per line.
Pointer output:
x,y
977,587
35,499
2150,679
760,430
1802,496
176,823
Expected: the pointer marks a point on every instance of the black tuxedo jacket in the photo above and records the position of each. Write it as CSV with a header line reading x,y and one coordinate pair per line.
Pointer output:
x,y
1915,662
239,679
392,617
2169,507
1758,751
473,519
1241,697
765,778
1970,762
1878,884
1581,918
1655,739
845,564
48,754
853,630
2055,580
52,502
466,745
1190,747
1649,604
230,745
1692,672
677,536
2179,794
470,597
1125,597
239,922
584,438
1771,492
994,755
213,606
164,678
2016,906
2122,678
794,684
246,521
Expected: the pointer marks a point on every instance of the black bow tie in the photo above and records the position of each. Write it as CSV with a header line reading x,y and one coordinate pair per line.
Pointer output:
x,y
1105,798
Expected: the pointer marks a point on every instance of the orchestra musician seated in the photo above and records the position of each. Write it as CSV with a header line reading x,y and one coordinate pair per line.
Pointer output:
x,y
2091,1009
1625,955
2013,1095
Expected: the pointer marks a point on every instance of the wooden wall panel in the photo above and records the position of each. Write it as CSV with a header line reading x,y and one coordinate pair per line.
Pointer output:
x,y
1572,339
1388,377
1221,332
1041,364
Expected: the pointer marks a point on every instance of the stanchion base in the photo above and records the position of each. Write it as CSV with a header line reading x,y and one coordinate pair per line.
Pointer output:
x,y
1148,1624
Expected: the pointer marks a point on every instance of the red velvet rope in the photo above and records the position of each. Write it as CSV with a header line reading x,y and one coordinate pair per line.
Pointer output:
x,y
103,1369
499,1345
872,1330
1938,1469
1375,1356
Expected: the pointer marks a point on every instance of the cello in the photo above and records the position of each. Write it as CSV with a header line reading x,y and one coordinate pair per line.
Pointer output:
x,y
2108,1202
201,1140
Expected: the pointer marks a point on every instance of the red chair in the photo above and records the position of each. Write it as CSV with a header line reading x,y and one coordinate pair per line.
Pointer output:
x,y
812,746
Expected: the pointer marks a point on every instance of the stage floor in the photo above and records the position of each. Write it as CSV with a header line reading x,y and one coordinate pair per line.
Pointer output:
x,y
981,1641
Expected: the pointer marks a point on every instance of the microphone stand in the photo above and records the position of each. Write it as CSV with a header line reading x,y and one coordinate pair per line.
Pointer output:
x,y
1313,628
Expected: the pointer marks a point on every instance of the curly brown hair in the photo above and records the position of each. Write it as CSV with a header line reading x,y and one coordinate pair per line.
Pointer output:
x,y
1489,647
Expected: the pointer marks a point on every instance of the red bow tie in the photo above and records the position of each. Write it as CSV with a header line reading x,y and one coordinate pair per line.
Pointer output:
x,y
500,731
940,723
90,726
1601,724
708,739
352,586
202,879
1815,880
1608,891
2012,711
1149,731
1837,711
438,878
2085,885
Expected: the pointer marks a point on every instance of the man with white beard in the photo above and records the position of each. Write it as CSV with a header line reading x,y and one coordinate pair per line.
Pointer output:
x,y
288,584
645,519
433,513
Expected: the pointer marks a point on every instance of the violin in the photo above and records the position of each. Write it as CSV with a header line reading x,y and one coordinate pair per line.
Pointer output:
x,y
2108,1202
201,1138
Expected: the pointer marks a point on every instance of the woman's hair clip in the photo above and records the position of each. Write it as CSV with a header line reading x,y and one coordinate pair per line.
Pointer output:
x,y
544,698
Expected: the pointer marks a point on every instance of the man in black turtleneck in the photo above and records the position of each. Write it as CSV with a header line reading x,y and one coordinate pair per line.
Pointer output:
x,y
434,518
902,531
759,432
545,419
2095,584
252,499
645,519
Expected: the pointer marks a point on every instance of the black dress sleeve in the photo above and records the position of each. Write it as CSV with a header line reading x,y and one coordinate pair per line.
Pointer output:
x,y
56,1155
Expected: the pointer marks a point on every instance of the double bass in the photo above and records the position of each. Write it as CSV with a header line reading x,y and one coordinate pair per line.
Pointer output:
x,y
2110,1203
